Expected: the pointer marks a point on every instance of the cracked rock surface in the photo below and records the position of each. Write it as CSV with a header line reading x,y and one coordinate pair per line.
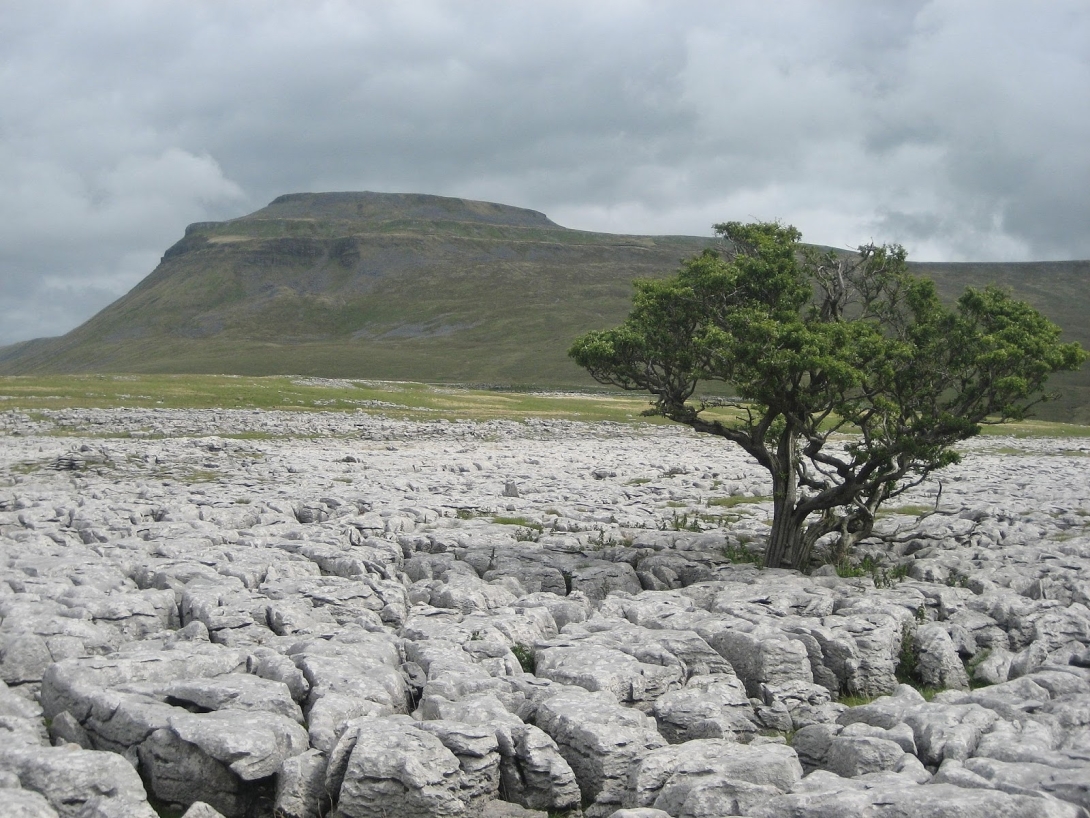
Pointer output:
x,y
245,613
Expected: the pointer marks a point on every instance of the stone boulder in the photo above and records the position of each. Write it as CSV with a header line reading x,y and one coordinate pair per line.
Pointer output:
x,y
600,740
712,706
388,768
705,778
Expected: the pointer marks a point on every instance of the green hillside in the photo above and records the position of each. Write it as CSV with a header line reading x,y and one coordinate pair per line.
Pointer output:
x,y
416,287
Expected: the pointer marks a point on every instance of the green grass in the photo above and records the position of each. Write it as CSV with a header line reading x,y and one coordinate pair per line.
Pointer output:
x,y
393,398
736,500
525,655
739,554
1035,428
855,700
522,522
400,399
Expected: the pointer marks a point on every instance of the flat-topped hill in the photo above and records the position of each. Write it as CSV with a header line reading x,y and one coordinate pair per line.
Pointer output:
x,y
426,288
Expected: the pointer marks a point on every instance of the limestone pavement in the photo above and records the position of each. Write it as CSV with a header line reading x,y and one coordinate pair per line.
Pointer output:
x,y
297,614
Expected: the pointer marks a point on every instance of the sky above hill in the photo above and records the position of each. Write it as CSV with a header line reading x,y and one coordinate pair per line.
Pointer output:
x,y
956,127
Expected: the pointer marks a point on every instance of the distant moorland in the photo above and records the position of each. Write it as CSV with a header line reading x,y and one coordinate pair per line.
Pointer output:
x,y
430,289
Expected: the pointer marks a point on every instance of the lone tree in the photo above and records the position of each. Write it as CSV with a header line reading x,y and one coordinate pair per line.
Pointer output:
x,y
820,343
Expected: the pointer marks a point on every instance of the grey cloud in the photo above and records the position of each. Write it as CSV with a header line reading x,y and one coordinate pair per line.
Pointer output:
x,y
954,127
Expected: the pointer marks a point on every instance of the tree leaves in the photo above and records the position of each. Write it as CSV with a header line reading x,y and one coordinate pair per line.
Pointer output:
x,y
816,342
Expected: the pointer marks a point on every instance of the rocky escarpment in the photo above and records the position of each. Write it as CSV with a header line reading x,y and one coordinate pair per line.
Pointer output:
x,y
248,614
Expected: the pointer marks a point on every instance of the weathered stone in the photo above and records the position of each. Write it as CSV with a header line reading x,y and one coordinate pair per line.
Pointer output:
x,y
19,803
70,777
710,777
252,744
180,772
763,657
533,771
938,664
597,668
300,786
599,739
478,753
395,770
235,691
850,756
713,706
199,809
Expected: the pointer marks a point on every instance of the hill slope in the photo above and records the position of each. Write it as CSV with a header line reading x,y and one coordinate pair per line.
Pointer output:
x,y
416,287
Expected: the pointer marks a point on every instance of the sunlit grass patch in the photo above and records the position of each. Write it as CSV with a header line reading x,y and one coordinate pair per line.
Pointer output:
x,y
519,521
736,500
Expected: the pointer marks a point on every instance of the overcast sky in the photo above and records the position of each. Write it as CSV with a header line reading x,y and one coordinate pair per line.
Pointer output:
x,y
959,128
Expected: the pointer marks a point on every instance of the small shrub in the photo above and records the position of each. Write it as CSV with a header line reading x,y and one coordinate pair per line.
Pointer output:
x,y
868,566
907,658
523,534
956,579
740,554
519,521
604,541
525,655
970,668
682,522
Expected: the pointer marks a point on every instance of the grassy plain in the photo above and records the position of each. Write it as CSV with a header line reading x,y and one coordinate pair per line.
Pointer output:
x,y
401,399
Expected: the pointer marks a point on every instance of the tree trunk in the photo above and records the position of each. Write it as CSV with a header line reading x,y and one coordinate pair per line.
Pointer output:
x,y
784,539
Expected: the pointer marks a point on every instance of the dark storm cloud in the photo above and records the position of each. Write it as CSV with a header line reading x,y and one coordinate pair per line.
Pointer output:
x,y
957,128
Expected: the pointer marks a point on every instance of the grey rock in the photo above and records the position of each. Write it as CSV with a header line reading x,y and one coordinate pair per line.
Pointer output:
x,y
469,593
180,772
69,777
19,803
235,691
395,770
12,704
598,668
937,800
1071,784
711,706
599,739
711,777
199,809
886,711
478,752
300,786
763,657
505,809
533,771
948,731
938,663
811,744
64,729
849,756
601,579
995,668
252,744
954,772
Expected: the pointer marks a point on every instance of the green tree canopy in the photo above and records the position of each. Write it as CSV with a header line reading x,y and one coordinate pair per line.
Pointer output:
x,y
819,344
